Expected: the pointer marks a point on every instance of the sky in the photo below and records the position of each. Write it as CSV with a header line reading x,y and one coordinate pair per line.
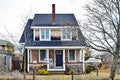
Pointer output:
x,y
13,11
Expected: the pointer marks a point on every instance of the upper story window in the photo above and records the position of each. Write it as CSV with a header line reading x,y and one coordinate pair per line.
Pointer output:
x,y
74,34
45,34
37,36
66,34
55,34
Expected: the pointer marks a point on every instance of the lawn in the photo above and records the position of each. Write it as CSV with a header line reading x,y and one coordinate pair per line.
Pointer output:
x,y
102,75
91,76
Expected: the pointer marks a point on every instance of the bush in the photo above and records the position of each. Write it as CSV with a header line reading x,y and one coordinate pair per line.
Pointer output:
x,y
88,70
71,72
42,71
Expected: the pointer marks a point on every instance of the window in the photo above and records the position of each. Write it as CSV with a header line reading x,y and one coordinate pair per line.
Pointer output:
x,y
66,34
42,55
74,34
45,34
5,60
37,35
55,34
72,55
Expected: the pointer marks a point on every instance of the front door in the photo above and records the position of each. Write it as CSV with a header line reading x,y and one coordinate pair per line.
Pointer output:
x,y
59,58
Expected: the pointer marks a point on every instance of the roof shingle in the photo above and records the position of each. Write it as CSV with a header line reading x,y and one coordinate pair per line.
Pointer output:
x,y
61,20
45,20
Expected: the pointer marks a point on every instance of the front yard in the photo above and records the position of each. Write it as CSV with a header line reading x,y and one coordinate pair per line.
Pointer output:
x,y
91,76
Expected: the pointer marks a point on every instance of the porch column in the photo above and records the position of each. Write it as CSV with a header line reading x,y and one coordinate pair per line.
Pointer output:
x,y
28,59
64,59
83,52
47,59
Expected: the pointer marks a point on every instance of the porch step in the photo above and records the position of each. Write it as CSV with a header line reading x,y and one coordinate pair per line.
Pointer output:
x,y
56,72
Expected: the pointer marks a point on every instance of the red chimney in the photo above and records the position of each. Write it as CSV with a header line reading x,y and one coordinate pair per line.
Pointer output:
x,y
53,14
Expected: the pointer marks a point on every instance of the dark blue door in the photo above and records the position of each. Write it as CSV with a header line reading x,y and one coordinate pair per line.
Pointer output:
x,y
59,58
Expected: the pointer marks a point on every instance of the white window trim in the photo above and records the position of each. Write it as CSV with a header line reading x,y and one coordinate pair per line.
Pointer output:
x,y
49,35
69,55
34,34
66,38
39,56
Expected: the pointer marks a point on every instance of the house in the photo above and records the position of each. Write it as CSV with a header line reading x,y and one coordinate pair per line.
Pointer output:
x,y
5,60
55,41
6,49
6,45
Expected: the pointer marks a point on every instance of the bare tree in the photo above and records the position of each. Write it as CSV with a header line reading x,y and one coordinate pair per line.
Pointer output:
x,y
102,28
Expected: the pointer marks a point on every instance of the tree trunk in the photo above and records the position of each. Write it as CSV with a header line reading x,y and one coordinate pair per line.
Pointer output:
x,y
114,66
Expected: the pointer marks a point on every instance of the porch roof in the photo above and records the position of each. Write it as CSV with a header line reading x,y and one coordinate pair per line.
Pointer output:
x,y
55,43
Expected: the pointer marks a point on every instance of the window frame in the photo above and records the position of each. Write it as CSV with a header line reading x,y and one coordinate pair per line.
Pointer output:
x,y
40,56
35,34
45,31
64,32
69,56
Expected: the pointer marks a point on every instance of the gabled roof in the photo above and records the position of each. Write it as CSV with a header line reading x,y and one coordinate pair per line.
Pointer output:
x,y
61,20
28,31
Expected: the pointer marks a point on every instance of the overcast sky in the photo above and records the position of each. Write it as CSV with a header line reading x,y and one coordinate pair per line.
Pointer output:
x,y
12,10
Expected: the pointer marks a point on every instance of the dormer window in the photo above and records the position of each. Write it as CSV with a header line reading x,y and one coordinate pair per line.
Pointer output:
x,y
66,34
45,35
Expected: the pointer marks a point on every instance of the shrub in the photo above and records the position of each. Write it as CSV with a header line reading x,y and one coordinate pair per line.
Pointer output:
x,y
88,70
71,72
42,71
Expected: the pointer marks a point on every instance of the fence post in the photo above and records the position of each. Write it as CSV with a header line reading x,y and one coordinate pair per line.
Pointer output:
x,y
33,74
72,75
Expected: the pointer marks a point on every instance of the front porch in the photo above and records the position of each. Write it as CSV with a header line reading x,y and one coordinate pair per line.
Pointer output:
x,y
55,59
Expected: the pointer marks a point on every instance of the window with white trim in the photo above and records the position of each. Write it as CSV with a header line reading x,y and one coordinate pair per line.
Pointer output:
x,y
42,55
72,55
45,34
66,34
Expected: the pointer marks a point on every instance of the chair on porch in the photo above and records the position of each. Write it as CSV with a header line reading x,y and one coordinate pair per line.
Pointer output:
x,y
51,64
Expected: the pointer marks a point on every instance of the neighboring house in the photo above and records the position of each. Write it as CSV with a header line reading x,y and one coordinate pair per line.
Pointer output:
x,y
6,45
55,41
5,60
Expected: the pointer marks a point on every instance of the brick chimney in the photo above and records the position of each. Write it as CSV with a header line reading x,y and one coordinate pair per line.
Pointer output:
x,y
53,14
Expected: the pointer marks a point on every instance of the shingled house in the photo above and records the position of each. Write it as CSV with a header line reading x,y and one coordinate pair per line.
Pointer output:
x,y
55,41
